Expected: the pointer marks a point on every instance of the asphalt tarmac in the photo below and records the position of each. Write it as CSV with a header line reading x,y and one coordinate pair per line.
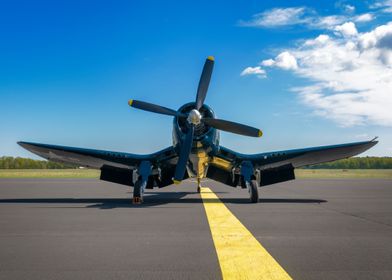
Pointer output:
x,y
88,229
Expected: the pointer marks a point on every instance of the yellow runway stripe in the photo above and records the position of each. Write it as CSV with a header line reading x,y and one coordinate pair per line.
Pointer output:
x,y
240,255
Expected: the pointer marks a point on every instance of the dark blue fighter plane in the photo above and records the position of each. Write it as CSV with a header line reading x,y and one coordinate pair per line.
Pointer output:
x,y
196,153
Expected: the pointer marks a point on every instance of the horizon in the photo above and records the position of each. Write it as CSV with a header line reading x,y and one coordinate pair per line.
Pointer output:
x,y
307,74
43,159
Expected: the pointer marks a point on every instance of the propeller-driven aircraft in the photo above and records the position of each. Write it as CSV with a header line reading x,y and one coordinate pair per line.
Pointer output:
x,y
197,153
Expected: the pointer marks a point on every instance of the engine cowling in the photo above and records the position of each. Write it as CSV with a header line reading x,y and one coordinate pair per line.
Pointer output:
x,y
201,129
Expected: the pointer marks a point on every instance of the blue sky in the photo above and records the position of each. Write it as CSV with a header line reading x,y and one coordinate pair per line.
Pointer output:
x,y
68,69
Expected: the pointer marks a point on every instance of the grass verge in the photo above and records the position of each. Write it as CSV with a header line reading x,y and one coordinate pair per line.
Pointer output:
x,y
49,173
343,173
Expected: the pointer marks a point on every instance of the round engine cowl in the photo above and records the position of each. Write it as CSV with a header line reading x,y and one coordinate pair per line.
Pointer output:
x,y
200,129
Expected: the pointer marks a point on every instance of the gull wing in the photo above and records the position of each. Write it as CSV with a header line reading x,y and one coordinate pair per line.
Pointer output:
x,y
275,167
92,158
298,157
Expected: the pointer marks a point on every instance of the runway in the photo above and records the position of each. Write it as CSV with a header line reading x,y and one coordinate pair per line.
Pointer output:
x,y
87,229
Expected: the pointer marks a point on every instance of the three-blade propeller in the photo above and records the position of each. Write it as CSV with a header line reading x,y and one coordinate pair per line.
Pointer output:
x,y
194,118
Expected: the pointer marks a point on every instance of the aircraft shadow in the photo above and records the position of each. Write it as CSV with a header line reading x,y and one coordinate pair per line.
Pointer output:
x,y
152,199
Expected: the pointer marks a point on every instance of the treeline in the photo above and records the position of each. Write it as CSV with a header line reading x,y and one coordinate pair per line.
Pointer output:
x,y
28,163
351,163
356,163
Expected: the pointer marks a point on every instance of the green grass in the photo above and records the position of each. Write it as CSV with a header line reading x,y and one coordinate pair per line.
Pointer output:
x,y
299,173
343,173
49,173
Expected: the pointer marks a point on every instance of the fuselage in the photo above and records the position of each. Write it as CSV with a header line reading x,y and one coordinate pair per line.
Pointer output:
x,y
205,140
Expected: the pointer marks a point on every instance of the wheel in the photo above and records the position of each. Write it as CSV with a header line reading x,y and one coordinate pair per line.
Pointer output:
x,y
253,192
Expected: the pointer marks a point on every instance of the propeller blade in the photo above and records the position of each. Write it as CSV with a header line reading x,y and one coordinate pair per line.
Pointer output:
x,y
233,127
154,108
204,82
184,156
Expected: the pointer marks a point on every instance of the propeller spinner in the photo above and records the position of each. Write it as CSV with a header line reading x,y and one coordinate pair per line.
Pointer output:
x,y
194,118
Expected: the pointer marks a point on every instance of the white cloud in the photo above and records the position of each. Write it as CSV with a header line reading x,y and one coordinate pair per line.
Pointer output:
x,y
277,17
327,22
268,62
320,40
364,17
350,77
347,29
384,5
280,17
381,37
284,60
349,8
260,73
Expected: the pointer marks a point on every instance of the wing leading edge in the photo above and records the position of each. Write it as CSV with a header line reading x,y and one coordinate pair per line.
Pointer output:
x,y
298,157
98,158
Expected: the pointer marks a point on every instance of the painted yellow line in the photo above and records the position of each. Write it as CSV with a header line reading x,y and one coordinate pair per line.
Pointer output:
x,y
240,255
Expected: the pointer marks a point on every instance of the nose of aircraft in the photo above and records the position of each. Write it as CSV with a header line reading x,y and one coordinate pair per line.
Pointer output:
x,y
194,118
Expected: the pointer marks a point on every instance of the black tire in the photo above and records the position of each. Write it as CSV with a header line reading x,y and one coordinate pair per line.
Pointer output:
x,y
254,193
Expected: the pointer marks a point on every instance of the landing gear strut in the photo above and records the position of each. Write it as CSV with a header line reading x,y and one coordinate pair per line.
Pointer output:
x,y
249,182
141,183
138,191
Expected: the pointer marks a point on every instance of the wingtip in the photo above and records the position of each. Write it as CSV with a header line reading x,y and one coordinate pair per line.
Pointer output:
x,y
21,143
373,142
211,58
130,102
25,145
260,133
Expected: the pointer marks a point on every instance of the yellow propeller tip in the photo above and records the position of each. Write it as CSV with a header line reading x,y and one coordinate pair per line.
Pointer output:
x,y
130,102
176,182
211,58
260,133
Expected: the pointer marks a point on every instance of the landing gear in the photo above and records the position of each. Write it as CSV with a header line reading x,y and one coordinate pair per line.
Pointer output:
x,y
251,186
138,192
144,171
198,185
249,181
253,192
